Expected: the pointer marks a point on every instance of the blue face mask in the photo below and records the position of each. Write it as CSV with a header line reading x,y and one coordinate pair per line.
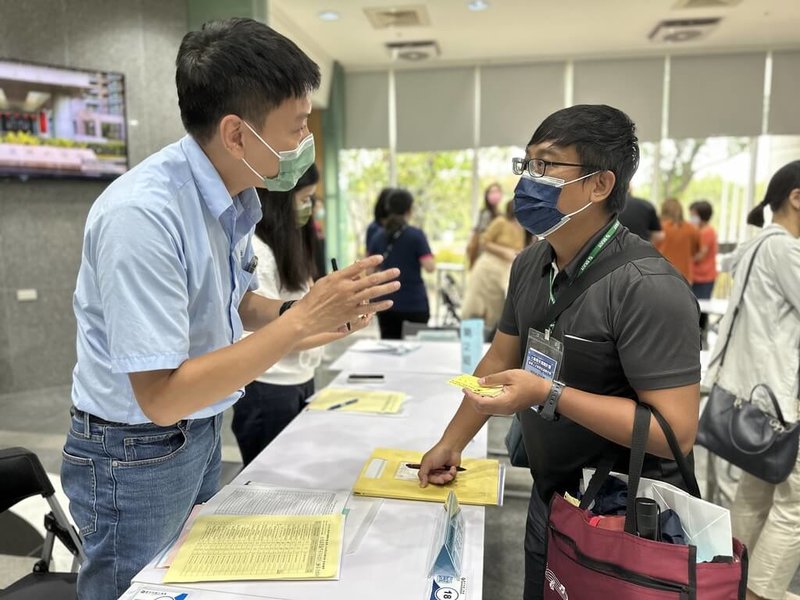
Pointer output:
x,y
536,202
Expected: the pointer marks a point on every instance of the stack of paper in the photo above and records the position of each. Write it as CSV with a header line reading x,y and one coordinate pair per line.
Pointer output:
x,y
253,532
387,474
353,400
470,382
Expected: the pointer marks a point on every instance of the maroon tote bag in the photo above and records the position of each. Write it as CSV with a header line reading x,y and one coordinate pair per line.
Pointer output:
x,y
589,563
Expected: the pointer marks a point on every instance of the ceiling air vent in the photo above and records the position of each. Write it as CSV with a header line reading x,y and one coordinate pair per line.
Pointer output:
x,y
413,51
680,4
399,16
675,31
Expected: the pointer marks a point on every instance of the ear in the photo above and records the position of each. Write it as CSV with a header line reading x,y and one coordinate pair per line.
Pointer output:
x,y
231,134
794,198
603,185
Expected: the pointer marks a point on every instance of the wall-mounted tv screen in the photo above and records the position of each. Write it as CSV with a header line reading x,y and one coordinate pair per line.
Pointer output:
x,y
60,122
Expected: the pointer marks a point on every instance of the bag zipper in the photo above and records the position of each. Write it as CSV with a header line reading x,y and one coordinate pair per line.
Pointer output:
x,y
611,569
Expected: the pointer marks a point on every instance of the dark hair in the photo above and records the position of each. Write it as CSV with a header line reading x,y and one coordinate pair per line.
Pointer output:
x,y
703,209
398,203
380,211
492,208
604,138
293,247
238,66
786,179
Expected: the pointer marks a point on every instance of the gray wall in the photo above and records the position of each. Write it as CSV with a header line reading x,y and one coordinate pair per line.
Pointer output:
x,y
41,222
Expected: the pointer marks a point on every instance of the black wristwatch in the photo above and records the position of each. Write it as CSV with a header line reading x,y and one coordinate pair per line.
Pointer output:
x,y
548,411
285,306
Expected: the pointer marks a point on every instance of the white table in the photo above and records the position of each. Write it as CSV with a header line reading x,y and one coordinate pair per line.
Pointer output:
x,y
442,357
714,306
326,450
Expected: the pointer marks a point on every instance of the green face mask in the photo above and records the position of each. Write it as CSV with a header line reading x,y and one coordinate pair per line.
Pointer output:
x,y
303,213
291,163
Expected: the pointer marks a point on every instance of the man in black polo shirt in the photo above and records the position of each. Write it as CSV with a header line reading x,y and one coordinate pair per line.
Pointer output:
x,y
640,217
632,336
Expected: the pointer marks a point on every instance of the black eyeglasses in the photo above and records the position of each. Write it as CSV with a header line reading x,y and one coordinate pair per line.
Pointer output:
x,y
537,167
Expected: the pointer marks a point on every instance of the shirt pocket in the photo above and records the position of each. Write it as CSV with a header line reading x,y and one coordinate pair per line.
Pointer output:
x,y
593,366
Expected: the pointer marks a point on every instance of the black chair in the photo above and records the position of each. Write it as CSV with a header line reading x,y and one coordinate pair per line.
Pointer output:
x,y
23,476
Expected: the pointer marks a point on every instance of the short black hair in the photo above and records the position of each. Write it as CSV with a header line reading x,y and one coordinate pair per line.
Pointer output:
x,y
780,187
398,203
703,209
604,138
238,66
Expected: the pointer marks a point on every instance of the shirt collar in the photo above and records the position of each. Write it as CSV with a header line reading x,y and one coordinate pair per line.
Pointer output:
x,y
572,267
209,183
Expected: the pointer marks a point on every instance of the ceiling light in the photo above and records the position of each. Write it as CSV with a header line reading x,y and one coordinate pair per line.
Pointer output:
x,y
329,15
477,5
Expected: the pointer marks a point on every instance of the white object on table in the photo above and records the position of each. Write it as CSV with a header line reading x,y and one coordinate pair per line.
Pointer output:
x,y
714,306
321,450
431,357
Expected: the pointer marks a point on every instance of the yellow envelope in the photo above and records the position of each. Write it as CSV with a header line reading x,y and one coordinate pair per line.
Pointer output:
x,y
352,400
386,475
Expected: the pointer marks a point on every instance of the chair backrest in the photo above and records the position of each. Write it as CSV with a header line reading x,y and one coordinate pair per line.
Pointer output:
x,y
23,476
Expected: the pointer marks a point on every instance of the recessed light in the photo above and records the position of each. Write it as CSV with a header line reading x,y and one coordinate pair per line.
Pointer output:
x,y
329,15
477,5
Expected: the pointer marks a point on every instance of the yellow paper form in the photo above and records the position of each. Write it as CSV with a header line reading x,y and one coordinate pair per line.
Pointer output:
x,y
387,475
353,400
231,547
470,382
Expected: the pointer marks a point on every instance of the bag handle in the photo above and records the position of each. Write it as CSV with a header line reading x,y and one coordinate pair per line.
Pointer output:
x,y
598,270
641,433
771,394
724,351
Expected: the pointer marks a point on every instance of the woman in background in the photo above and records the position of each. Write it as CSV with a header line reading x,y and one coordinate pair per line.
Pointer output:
x,y
379,214
284,242
488,281
763,349
704,263
492,196
405,247
680,242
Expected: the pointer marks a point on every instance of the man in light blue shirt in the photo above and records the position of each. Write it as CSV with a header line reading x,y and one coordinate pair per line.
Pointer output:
x,y
164,293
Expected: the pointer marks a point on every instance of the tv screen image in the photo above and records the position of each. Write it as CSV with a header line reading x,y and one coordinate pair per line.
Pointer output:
x,y
60,122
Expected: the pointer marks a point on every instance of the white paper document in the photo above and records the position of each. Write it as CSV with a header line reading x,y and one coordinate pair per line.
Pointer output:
x,y
256,499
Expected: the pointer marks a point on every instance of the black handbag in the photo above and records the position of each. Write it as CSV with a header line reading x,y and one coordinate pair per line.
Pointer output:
x,y
737,430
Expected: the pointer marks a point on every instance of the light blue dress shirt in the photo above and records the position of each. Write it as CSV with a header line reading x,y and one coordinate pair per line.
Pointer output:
x,y
167,258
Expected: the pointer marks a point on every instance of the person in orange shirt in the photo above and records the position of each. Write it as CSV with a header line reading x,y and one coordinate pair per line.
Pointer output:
x,y
704,266
681,241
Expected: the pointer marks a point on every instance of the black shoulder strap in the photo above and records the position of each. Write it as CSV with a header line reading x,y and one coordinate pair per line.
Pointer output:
x,y
392,240
721,356
598,270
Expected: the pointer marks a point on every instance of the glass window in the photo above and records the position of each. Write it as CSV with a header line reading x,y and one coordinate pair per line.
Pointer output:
x,y
362,176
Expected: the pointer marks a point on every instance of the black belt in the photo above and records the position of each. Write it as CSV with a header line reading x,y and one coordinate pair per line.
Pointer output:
x,y
75,412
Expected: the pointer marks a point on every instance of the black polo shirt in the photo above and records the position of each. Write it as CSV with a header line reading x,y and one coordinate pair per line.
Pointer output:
x,y
634,329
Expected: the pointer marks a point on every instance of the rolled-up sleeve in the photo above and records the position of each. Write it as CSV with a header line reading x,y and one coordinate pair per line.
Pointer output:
x,y
142,282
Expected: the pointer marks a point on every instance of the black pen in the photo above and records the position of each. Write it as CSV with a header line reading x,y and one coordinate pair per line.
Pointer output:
x,y
443,468
336,268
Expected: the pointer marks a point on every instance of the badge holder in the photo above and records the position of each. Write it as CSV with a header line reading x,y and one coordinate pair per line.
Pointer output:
x,y
543,357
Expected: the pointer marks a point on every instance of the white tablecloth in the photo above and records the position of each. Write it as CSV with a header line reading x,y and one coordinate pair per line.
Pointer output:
x,y
326,450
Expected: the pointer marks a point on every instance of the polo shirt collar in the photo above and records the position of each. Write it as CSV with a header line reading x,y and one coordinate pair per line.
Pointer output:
x,y
572,267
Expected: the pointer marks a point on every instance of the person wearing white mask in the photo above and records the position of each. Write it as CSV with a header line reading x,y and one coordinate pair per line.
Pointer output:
x,y
165,290
631,337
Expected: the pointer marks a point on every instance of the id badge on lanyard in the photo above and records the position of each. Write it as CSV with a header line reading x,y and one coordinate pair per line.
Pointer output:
x,y
543,355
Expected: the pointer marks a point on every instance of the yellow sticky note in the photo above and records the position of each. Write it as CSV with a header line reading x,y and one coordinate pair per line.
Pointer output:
x,y
387,475
353,400
232,548
470,382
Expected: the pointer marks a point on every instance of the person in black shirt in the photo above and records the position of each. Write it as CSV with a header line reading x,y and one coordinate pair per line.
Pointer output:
x,y
631,337
641,218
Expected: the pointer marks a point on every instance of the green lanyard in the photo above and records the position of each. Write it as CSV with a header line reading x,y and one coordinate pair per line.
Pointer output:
x,y
607,237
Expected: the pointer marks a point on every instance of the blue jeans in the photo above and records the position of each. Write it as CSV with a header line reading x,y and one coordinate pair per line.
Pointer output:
x,y
130,489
